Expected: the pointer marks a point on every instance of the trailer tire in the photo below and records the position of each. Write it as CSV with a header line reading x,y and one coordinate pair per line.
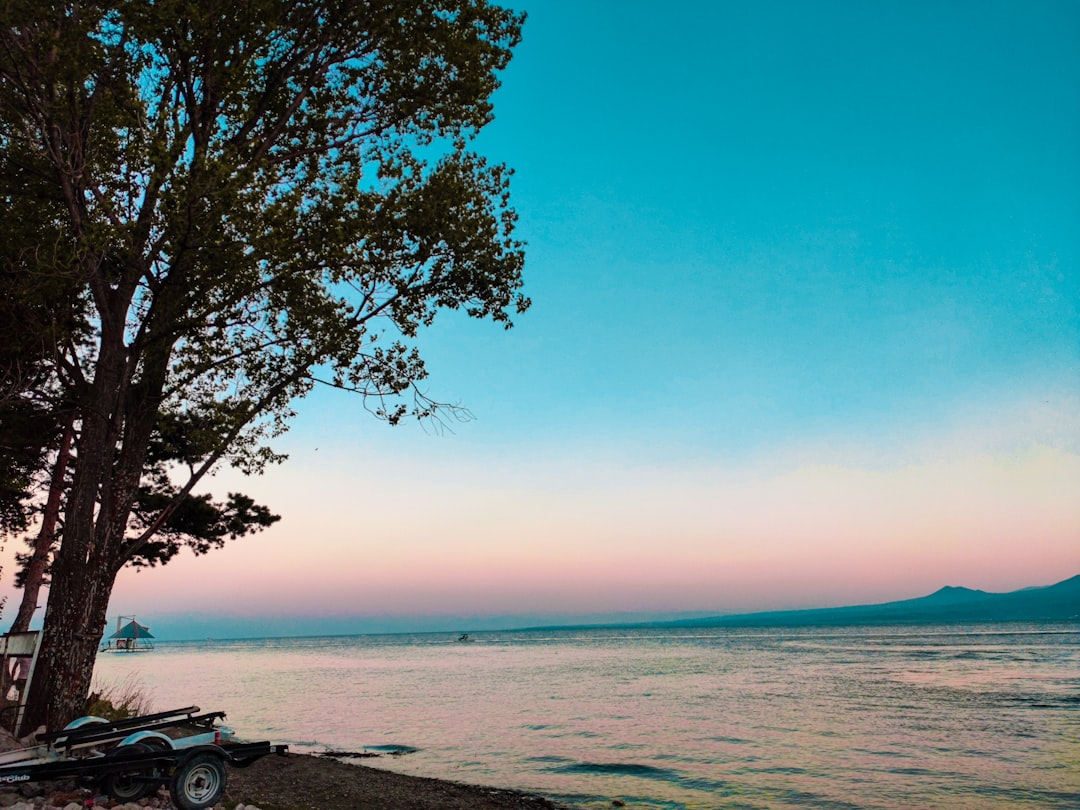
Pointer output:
x,y
126,786
198,783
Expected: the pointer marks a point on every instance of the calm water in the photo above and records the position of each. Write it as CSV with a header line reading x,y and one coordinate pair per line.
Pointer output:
x,y
900,717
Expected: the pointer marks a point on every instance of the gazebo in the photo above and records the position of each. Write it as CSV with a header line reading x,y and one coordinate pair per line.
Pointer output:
x,y
130,637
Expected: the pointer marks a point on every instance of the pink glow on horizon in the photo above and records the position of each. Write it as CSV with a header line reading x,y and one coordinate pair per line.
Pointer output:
x,y
634,541
450,533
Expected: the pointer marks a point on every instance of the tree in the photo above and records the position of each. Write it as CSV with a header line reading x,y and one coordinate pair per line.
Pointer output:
x,y
45,312
25,433
42,310
255,198
197,522
34,565
39,309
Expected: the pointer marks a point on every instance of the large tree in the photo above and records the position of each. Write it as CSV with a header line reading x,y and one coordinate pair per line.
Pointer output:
x,y
255,196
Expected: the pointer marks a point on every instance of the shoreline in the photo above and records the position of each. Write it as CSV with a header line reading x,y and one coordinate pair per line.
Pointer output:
x,y
298,781
314,782
304,782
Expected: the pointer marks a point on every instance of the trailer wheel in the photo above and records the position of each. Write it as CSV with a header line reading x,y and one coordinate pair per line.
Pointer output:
x,y
129,786
198,783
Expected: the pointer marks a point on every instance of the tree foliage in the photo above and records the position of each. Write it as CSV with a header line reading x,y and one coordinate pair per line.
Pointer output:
x,y
238,201
198,522
40,308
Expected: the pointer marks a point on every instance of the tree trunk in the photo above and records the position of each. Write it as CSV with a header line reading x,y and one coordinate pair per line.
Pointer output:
x,y
82,570
39,560
118,414
69,644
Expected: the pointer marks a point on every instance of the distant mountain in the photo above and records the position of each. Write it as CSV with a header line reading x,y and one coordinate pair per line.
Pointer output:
x,y
1060,602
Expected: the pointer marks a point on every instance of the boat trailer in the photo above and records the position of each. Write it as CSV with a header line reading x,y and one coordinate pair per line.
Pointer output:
x,y
129,759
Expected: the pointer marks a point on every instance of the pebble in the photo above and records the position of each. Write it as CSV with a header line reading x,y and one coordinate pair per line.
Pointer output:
x,y
159,802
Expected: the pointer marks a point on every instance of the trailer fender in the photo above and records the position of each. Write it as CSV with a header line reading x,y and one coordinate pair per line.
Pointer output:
x,y
88,720
153,740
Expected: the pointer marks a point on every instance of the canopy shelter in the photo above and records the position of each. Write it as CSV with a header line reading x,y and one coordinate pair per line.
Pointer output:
x,y
130,637
133,630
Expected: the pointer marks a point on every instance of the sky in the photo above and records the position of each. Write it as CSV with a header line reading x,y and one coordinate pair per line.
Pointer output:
x,y
805,332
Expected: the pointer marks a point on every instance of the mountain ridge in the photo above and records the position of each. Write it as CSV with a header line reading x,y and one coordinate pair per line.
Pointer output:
x,y
949,604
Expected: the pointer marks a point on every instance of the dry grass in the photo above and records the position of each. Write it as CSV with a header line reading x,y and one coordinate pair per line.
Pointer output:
x,y
119,701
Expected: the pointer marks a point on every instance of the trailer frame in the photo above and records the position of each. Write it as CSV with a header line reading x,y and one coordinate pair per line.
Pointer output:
x,y
127,759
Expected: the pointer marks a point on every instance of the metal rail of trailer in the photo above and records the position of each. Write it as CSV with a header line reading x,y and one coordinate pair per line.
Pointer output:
x,y
149,728
128,759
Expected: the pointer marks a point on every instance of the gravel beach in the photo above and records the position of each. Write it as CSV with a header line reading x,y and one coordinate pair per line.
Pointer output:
x,y
302,782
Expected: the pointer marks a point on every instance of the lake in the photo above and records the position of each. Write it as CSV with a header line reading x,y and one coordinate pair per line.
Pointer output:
x,y
976,716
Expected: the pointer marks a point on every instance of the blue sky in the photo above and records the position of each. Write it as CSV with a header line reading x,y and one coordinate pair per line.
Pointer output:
x,y
752,220
804,332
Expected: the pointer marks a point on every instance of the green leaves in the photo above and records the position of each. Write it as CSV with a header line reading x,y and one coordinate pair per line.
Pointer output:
x,y
233,202
199,523
229,202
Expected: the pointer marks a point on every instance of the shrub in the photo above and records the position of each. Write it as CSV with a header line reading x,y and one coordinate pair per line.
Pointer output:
x,y
118,701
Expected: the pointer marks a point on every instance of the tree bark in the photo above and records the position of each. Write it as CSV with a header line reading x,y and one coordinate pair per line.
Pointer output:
x,y
39,560
83,570
119,411
69,644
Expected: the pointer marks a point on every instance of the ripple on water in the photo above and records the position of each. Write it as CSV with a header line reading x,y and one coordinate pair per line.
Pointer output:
x,y
619,769
393,750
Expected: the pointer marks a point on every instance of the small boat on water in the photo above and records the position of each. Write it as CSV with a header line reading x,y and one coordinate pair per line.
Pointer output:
x,y
129,638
